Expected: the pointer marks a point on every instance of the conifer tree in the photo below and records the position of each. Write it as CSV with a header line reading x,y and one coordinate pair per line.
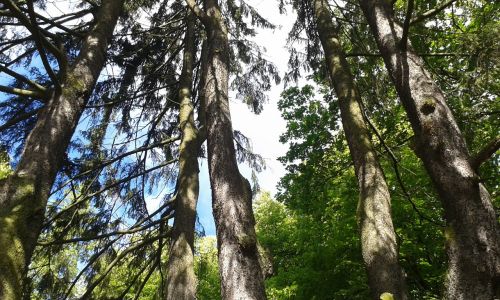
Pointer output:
x,y
24,194
472,232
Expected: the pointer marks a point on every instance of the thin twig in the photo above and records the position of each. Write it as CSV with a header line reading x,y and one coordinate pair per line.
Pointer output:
x,y
395,164
406,26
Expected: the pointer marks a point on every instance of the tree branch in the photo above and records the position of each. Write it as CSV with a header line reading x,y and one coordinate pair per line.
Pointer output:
x,y
120,256
114,184
395,165
99,253
485,153
117,158
22,78
93,258
22,92
406,26
18,118
53,23
355,54
146,278
432,12
105,235
40,41
20,57
202,16
127,289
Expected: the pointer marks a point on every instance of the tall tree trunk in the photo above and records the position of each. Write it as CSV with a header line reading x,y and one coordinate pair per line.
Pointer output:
x,y
378,239
472,233
24,195
241,275
181,280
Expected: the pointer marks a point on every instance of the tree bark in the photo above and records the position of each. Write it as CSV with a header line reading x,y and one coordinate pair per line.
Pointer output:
x,y
378,239
472,233
181,279
24,195
241,275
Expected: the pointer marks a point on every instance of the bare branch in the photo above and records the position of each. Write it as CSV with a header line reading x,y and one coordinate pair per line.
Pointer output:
x,y
406,26
22,78
152,261
93,259
40,41
58,25
109,234
146,278
198,11
486,153
432,12
18,118
395,165
22,92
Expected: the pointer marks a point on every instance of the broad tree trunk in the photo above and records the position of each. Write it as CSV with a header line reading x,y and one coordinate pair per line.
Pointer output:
x,y
24,195
472,233
181,279
241,275
378,239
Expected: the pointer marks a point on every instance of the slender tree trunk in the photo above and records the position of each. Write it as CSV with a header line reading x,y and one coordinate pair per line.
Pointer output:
x,y
378,239
241,275
24,195
472,233
181,280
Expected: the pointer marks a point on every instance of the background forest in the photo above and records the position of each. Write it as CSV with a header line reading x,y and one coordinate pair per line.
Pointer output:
x,y
111,112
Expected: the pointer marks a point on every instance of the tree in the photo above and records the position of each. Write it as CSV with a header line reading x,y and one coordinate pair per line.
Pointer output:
x,y
241,275
378,239
99,199
472,234
24,194
181,280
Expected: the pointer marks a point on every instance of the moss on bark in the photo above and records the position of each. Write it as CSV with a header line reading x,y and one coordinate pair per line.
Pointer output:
x,y
18,194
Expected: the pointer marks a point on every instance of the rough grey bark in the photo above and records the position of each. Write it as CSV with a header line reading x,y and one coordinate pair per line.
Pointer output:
x,y
23,195
472,233
241,275
181,279
378,239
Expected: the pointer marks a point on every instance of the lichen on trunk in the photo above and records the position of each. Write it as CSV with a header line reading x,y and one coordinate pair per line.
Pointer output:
x,y
16,236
